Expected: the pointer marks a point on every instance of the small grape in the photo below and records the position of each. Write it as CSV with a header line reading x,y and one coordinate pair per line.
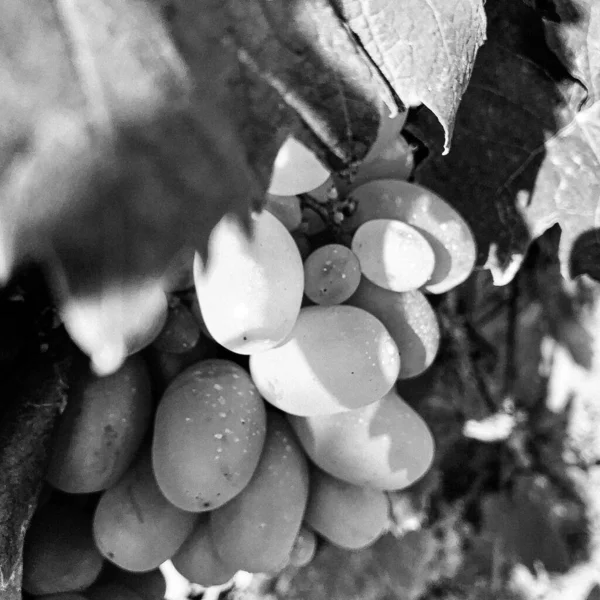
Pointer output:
x,y
385,445
331,274
393,255
325,193
335,359
389,131
349,516
286,209
181,331
251,290
296,170
304,548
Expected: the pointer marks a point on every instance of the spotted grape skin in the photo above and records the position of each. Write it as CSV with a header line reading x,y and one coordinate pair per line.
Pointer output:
x,y
385,445
348,515
336,358
447,232
331,274
208,436
256,530
393,255
101,428
250,290
409,318
135,526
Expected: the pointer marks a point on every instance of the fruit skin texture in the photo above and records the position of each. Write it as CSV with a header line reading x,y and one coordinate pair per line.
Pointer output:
x,y
102,427
349,516
59,552
385,445
256,530
410,320
135,526
209,432
197,559
337,358
446,231
393,255
251,289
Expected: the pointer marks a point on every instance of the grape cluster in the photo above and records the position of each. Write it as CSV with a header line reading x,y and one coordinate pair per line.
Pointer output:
x,y
256,410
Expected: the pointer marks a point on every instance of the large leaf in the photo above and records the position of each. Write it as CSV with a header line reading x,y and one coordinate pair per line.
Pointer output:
x,y
525,155
425,48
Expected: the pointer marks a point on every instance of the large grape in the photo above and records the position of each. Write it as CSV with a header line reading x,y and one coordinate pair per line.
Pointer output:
x,y
296,170
59,551
410,320
101,429
386,445
396,161
119,322
251,289
393,255
256,530
135,526
198,560
446,231
336,358
331,274
208,436
348,515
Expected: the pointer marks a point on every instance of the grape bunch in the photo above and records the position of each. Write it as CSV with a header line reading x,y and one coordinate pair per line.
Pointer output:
x,y
254,411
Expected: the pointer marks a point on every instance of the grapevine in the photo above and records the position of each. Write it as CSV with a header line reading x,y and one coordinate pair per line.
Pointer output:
x,y
294,285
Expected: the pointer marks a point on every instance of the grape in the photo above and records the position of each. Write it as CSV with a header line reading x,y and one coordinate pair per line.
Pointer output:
x,y
112,591
118,322
331,274
208,436
410,320
385,445
396,161
251,290
393,255
446,231
303,244
59,552
349,516
296,170
150,585
256,530
325,192
198,560
101,428
135,526
304,548
336,358
181,331
286,209
312,223
179,275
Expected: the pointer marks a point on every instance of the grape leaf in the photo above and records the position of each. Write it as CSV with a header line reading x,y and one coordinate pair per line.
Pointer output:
x,y
525,155
425,48
574,36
